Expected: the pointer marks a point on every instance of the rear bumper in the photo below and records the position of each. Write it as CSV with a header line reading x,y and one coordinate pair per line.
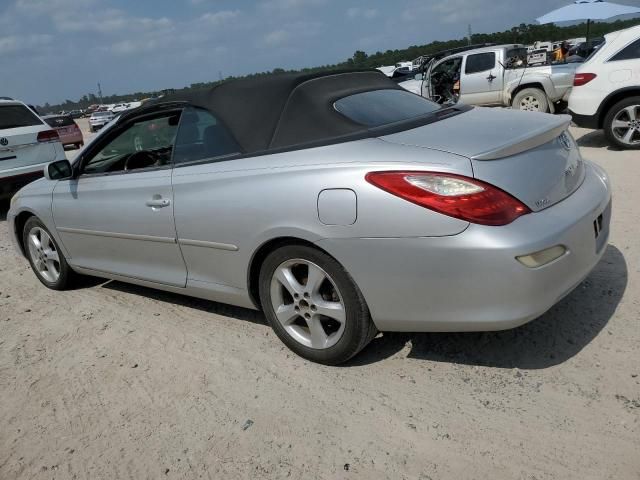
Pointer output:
x,y
585,121
71,139
472,281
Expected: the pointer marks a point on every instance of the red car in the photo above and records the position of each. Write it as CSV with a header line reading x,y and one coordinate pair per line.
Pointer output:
x,y
67,128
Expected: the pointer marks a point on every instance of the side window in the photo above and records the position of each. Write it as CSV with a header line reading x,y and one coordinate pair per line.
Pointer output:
x,y
144,144
202,137
480,62
631,52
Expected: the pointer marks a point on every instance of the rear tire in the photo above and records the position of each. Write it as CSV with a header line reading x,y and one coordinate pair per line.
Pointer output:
x,y
622,118
46,259
319,284
531,100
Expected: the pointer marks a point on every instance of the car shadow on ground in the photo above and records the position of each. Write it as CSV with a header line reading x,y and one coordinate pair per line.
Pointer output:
x,y
4,208
595,139
550,340
189,302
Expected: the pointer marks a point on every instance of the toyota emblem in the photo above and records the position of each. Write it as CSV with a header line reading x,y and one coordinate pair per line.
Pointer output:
x,y
4,142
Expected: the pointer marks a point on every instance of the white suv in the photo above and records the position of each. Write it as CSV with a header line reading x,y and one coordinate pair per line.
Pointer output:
x,y
606,93
27,144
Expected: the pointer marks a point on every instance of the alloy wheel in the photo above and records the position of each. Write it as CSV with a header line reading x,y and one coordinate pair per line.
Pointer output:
x,y
44,255
626,125
307,304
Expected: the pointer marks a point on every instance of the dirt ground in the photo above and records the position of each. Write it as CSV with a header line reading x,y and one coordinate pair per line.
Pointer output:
x,y
113,381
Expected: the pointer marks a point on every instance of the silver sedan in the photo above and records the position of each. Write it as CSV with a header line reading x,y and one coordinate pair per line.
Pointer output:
x,y
339,204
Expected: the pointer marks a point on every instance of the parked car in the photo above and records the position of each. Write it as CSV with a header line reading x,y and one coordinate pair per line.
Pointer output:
x,y
99,119
76,114
496,75
413,84
338,203
27,144
119,108
67,128
606,93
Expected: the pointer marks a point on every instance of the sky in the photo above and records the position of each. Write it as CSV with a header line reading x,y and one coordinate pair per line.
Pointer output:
x,y
52,50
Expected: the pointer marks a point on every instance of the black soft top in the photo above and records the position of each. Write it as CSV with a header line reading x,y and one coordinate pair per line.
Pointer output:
x,y
287,110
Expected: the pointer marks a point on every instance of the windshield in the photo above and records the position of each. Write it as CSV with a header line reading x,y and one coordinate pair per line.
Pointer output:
x,y
15,116
101,114
384,107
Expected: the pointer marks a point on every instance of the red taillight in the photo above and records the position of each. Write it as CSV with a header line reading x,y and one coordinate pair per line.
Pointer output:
x,y
453,195
48,136
583,78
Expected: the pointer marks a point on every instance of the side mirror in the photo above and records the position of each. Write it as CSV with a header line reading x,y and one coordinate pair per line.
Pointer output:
x,y
58,170
419,76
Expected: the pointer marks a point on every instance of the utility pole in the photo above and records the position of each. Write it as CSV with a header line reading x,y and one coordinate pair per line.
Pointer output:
x,y
470,37
100,93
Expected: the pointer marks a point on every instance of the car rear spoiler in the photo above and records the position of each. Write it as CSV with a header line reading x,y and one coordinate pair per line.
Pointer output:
x,y
528,140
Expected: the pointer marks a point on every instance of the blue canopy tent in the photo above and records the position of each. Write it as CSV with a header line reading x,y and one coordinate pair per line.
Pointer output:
x,y
587,10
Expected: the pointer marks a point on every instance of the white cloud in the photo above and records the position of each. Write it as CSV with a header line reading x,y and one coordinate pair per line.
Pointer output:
x,y
276,38
219,18
109,21
366,13
39,7
14,43
287,5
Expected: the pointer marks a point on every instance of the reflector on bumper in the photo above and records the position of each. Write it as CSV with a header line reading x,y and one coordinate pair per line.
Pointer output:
x,y
544,257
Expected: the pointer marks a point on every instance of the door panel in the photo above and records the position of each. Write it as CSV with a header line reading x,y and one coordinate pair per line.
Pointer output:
x,y
443,78
117,217
482,81
106,225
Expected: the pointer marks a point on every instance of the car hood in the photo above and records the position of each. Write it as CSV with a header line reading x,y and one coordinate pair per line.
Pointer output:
x,y
485,133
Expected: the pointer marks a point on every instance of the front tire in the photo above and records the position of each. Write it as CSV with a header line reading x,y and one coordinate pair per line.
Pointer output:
x,y
45,257
531,100
622,124
313,305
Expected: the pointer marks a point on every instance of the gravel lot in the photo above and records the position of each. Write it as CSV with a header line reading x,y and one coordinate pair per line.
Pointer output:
x,y
115,381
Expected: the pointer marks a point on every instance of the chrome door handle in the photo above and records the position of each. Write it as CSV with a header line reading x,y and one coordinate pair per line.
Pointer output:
x,y
158,203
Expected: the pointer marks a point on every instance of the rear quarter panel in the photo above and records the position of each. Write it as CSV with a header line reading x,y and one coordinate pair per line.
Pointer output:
x,y
245,203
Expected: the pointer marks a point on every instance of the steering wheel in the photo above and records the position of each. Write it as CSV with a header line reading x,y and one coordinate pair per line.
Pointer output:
x,y
140,159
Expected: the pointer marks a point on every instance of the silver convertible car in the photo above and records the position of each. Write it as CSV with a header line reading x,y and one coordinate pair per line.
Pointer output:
x,y
338,203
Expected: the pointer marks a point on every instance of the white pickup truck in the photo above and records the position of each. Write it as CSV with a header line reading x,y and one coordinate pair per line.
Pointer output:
x,y
496,75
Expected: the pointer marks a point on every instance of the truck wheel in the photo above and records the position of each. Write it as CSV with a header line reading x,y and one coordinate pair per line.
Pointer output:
x,y
622,124
531,100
